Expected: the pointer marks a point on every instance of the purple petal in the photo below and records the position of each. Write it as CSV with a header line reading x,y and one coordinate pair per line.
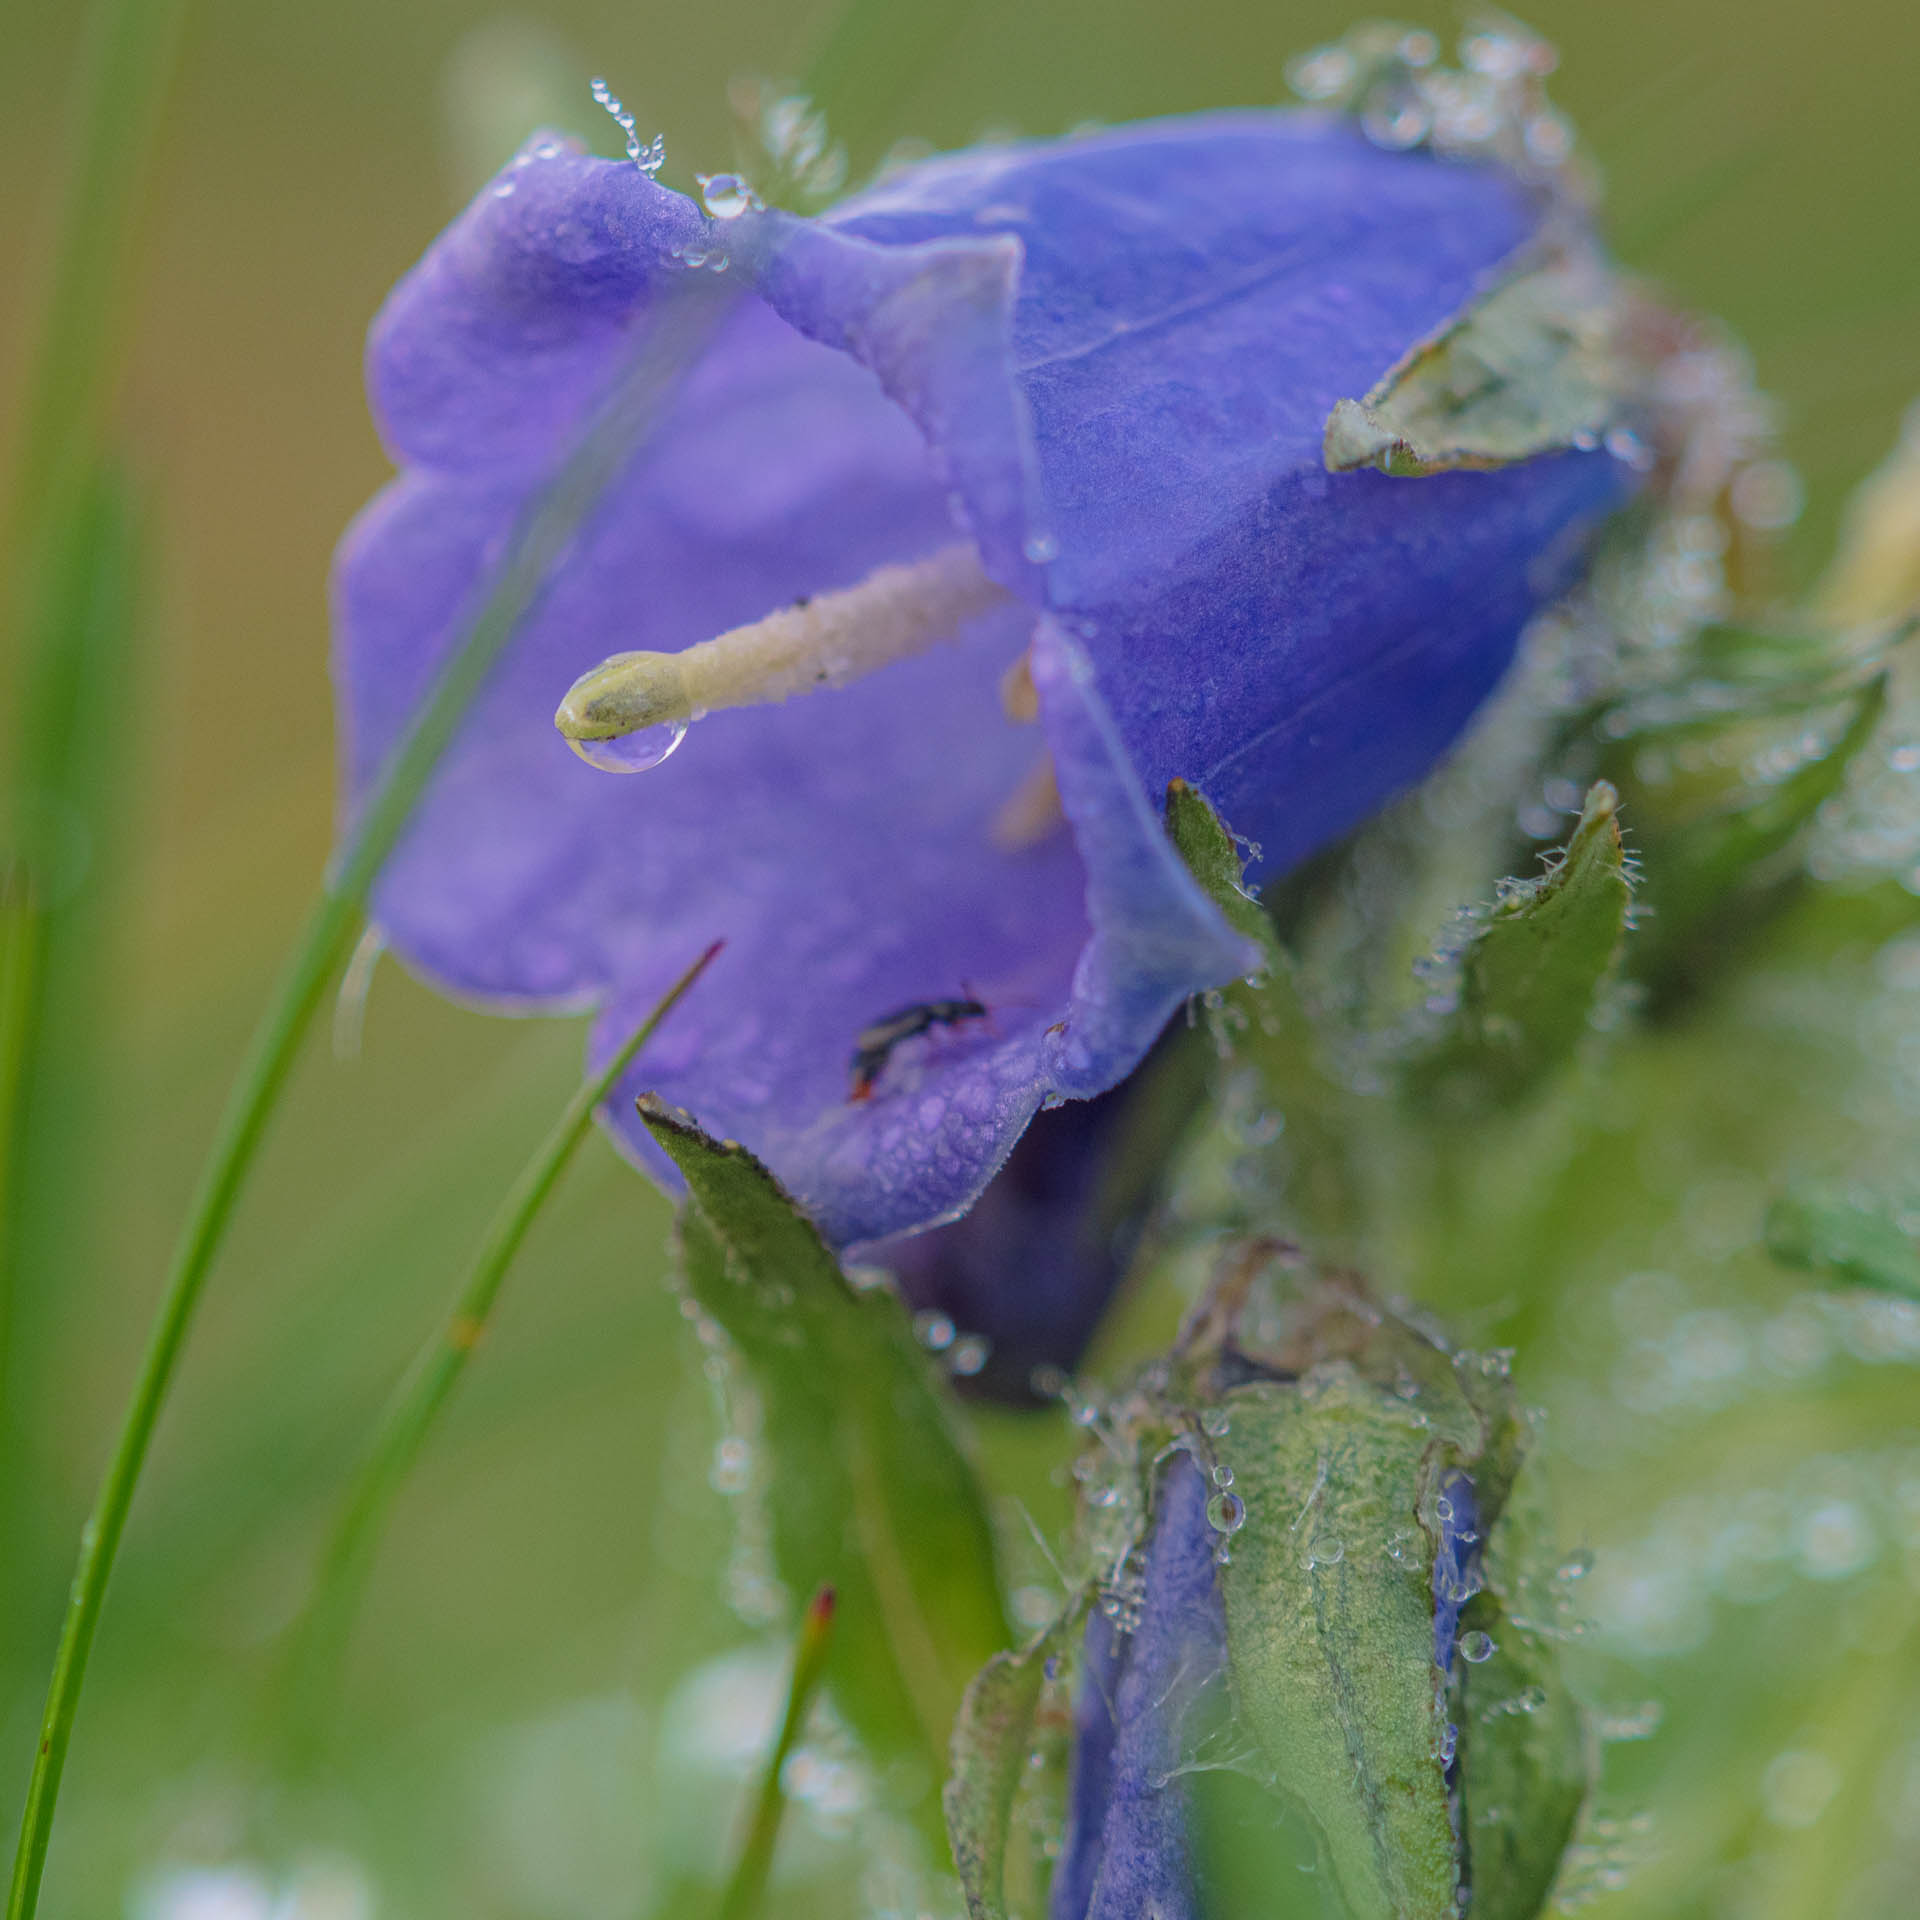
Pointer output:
x,y
1032,1265
1456,1563
1145,1697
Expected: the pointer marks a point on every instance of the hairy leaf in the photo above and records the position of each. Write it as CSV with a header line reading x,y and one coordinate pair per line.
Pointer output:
x,y
865,1485
992,1746
1531,977
1526,1763
1849,1238
1331,1636
1713,798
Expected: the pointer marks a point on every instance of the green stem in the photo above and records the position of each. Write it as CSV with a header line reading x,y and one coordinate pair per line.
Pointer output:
x,y
682,325
437,1369
748,1881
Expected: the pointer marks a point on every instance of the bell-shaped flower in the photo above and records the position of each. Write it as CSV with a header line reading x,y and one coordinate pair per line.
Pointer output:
x,y
1000,495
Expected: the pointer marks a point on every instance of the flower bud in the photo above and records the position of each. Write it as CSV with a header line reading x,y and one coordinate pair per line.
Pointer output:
x,y
1302,1600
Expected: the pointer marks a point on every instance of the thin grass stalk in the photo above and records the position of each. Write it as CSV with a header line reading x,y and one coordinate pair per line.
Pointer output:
x,y
429,1383
545,532
747,1883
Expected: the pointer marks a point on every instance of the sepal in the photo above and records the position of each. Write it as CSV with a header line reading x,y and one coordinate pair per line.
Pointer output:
x,y
1532,977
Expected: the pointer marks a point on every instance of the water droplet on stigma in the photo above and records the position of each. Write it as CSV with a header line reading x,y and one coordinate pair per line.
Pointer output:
x,y
632,752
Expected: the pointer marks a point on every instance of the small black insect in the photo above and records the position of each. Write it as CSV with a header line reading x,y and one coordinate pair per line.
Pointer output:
x,y
877,1042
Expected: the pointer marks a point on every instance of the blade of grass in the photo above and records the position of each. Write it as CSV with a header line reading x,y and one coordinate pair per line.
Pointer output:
x,y
57,496
66,914
545,531
747,1884
321,1637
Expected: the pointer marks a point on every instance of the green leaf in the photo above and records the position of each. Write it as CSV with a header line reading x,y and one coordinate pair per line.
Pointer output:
x,y
1331,1637
1848,1238
1269,1027
1713,798
1527,1764
866,1488
1532,975
992,1751
1532,366
1214,860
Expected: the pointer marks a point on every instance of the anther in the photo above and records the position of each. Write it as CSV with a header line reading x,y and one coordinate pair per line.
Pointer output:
x,y
826,641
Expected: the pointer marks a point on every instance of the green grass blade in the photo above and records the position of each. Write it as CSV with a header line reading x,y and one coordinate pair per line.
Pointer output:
x,y
543,535
65,921
435,1372
747,1884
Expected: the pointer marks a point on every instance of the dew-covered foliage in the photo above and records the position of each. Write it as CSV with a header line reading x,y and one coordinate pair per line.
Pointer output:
x,y
1272,1266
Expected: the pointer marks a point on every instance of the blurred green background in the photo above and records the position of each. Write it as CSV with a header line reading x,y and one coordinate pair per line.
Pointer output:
x,y
557,1568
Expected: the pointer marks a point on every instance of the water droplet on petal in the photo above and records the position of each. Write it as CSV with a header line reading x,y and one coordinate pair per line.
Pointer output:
x,y
1041,548
632,752
933,1330
1226,1513
1475,1647
726,196
969,1355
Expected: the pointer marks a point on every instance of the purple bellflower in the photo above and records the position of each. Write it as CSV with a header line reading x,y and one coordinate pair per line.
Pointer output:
x,y
1092,376
1064,1217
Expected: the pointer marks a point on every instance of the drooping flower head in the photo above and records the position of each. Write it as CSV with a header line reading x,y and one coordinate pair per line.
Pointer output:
x,y
1022,450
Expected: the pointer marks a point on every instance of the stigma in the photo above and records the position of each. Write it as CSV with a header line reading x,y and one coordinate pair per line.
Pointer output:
x,y
825,641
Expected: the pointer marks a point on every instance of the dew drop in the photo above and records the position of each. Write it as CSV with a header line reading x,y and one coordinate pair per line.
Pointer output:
x,y
1226,1513
1223,1476
726,196
1041,548
1324,74
632,752
1476,1647
1215,1423
732,1470
1396,117
933,1330
969,1355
